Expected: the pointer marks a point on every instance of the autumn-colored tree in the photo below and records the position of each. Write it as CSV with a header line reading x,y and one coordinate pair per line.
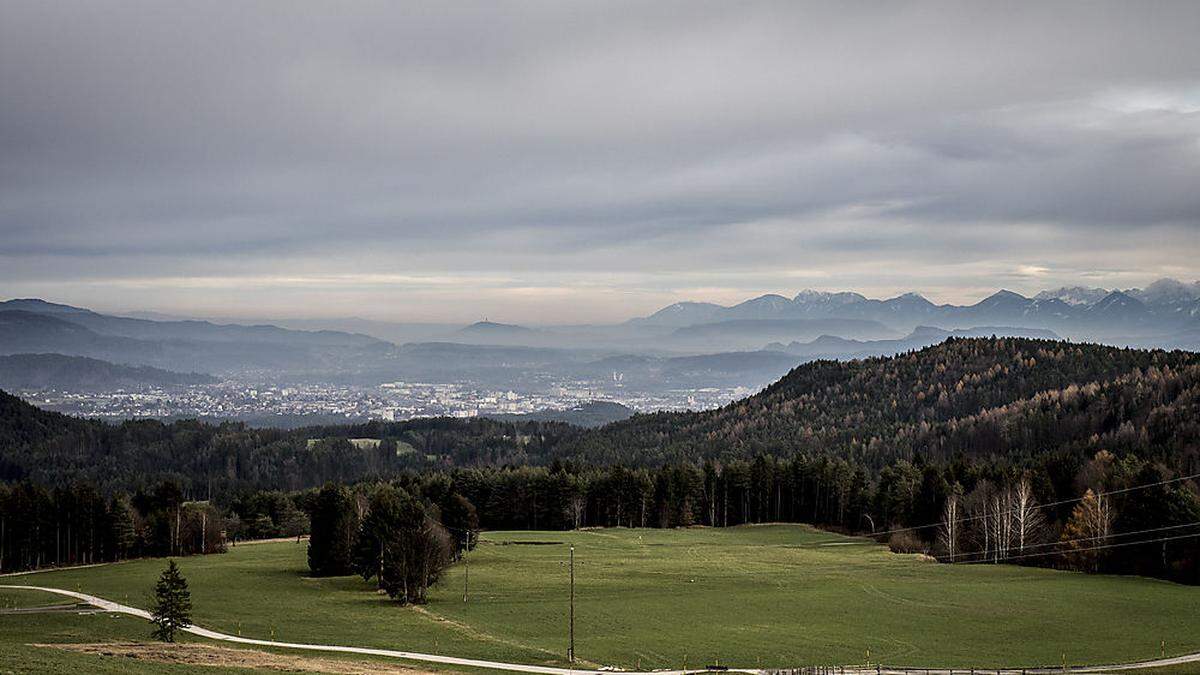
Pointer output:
x,y
1087,531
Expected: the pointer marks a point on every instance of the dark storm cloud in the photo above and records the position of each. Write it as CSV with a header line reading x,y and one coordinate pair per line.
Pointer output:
x,y
591,147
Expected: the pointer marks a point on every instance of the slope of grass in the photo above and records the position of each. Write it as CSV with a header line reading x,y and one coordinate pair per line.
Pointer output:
x,y
772,595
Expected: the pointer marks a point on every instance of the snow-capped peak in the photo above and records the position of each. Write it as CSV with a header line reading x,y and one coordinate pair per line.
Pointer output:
x,y
1074,295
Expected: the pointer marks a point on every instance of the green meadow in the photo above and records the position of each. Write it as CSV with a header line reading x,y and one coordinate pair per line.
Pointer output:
x,y
769,596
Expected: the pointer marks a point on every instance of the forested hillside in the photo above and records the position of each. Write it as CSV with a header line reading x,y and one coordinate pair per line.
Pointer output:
x,y
1010,397
78,373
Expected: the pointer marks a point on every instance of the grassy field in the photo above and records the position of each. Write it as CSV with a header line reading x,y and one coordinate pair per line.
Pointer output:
x,y
770,595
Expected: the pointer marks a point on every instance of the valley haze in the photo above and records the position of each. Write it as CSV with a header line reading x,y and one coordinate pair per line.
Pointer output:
x,y
688,355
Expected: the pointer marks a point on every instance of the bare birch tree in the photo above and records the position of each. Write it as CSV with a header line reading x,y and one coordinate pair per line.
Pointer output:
x,y
1000,524
1029,524
577,506
979,516
951,527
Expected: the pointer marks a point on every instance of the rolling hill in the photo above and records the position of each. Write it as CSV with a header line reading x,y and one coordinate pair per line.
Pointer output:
x,y
1007,397
78,373
36,326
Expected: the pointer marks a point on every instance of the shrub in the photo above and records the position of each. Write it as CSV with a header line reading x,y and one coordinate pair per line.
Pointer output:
x,y
907,542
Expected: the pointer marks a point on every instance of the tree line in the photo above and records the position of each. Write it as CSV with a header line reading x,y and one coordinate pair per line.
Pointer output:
x,y
1097,514
78,525
1104,513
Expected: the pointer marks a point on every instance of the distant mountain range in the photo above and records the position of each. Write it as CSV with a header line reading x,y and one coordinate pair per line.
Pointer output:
x,y
1165,308
185,329
685,345
36,326
488,354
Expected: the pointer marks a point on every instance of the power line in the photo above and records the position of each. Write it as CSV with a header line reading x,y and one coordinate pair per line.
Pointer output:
x,y
1081,539
1037,506
968,554
1090,548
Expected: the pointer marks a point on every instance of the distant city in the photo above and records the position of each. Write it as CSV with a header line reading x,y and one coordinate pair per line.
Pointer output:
x,y
393,401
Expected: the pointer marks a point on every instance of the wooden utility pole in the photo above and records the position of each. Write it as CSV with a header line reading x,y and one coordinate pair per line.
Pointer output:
x,y
571,644
466,567
379,576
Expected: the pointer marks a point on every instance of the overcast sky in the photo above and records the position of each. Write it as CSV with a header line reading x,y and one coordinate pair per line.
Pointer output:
x,y
571,161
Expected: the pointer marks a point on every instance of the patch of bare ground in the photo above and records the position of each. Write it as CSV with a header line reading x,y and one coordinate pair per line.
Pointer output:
x,y
194,654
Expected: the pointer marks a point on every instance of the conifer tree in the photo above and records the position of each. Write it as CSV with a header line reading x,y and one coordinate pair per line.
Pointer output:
x,y
331,538
122,532
172,604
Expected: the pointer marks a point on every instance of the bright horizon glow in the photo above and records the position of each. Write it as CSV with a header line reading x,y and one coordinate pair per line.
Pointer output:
x,y
720,296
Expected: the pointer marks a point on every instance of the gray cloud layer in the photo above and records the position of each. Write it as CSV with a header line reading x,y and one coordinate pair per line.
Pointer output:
x,y
582,161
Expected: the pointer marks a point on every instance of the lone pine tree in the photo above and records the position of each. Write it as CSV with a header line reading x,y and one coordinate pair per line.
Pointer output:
x,y
172,604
